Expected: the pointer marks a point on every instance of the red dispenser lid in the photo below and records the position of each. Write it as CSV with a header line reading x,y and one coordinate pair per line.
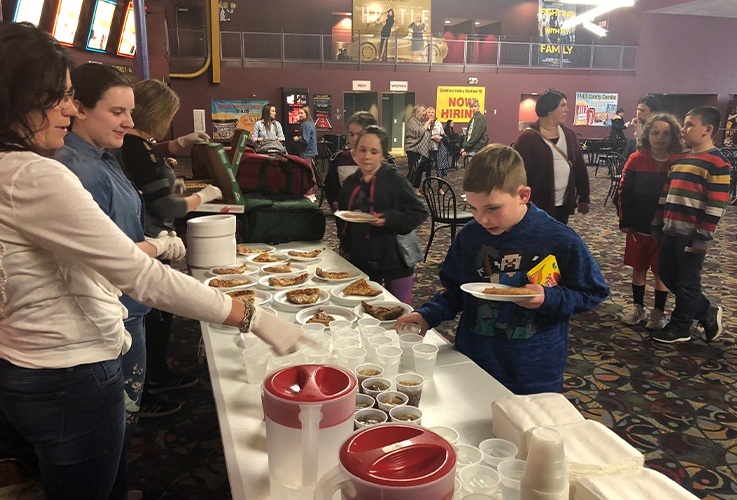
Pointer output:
x,y
331,387
398,455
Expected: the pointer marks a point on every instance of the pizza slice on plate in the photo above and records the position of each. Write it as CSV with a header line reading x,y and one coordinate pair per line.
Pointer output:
x,y
337,275
283,268
265,257
296,280
303,296
383,313
321,317
304,255
231,270
496,290
241,248
243,295
360,287
223,283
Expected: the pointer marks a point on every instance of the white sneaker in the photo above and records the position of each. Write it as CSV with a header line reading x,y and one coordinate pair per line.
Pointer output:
x,y
634,315
657,320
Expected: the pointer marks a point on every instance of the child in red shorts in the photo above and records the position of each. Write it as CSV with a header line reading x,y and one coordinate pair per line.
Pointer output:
x,y
643,178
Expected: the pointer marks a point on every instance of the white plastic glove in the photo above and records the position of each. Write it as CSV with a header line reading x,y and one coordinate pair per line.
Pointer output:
x,y
209,193
175,250
284,337
179,185
191,139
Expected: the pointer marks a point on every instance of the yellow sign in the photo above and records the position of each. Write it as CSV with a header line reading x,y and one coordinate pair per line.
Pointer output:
x,y
454,103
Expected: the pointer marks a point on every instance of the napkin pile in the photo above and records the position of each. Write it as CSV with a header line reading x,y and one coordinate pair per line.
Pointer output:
x,y
513,417
645,484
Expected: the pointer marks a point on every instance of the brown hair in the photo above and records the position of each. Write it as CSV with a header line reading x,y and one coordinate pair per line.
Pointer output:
x,y
676,138
498,167
156,103
307,111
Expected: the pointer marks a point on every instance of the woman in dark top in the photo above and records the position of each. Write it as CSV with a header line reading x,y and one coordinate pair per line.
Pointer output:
x,y
379,189
556,170
386,31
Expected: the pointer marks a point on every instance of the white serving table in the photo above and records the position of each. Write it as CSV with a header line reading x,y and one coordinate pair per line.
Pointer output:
x,y
459,395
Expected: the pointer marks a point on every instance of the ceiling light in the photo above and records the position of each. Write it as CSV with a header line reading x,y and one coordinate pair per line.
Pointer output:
x,y
447,22
595,29
477,23
601,9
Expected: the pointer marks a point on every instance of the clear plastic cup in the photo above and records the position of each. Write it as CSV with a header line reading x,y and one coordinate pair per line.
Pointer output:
x,y
316,355
368,370
375,385
337,324
388,357
447,433
390,399
256,358
322,339
406,415
406,342
370,331
510,475
410,384
546,473
374,343
409,328
368,417
346,333
340,344
496,450
313,327
479,479
426,355
368,322
467,455
351,357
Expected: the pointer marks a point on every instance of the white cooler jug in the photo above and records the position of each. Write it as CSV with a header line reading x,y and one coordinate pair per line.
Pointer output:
x,y
211,241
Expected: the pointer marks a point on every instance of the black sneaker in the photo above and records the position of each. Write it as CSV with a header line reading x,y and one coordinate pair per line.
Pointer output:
x,y
713,323
170,382
671,335
153,407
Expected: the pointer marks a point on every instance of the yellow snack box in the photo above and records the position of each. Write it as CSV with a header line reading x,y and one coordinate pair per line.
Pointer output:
x,y
545,273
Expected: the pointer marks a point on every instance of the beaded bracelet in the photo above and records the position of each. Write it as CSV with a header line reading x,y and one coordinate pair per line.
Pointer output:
x,y
247,317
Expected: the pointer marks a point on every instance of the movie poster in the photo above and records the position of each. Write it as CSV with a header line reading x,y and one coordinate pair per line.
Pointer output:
x,y
370,16
322,105
229,115
595,109
552,37
454,103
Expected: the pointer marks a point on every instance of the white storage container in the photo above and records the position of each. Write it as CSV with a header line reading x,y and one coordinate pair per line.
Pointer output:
x,y
211,241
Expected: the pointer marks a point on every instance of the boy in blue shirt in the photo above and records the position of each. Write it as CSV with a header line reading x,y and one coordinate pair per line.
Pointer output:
x,y
523,344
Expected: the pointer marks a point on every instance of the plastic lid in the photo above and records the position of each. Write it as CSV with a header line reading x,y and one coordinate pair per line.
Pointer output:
x,y
398,455
331,387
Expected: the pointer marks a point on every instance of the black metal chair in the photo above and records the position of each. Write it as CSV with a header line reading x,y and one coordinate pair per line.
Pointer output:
x,y
615,164
441,202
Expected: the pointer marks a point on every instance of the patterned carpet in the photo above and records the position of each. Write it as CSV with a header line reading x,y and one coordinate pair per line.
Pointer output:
x,y
677,404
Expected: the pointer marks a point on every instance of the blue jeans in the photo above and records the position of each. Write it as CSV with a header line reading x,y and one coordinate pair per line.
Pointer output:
x,y
134,373
68,422
680,271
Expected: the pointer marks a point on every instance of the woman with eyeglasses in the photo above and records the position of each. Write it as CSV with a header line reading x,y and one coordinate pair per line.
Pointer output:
x,y
63,265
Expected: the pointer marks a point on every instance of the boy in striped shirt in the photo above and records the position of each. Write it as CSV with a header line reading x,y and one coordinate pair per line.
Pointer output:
x,y
692,203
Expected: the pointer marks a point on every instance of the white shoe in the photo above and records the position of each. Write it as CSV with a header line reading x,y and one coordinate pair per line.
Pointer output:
x,y
657,320
634,315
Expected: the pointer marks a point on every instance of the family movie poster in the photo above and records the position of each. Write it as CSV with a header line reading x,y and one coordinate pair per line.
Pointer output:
x,y
552,37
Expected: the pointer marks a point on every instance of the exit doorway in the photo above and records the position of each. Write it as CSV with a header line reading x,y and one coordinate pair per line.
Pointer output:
x,y
395,109
359,101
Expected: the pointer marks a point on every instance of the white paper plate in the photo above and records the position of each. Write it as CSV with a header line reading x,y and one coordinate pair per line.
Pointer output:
x,y
252,280
250,269
256,247
354,275
317,258
296,268
280,299
282,259
261,297
230,330
477,289
360,313
355,216
352,300
335,311
264,281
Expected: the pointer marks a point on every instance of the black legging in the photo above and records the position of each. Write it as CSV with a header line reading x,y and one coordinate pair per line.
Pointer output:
x,y
417,164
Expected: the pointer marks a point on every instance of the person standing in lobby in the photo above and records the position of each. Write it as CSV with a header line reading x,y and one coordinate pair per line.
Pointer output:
x,y
417,145
475,137
556,170
306,141
645,107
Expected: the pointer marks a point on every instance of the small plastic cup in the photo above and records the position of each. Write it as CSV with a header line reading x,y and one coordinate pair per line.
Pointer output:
x,y
546,473
246,340
338,324
410,384
346,333
352,357
406,342
364,401
406,415
479,479
409,328
510,475
256,358
388,357
316,355
344,342
467,455
426,355
496,450
368,417
375,385
313,327
322,339
368,322
368,370
374,343
370,331
447,433
390,399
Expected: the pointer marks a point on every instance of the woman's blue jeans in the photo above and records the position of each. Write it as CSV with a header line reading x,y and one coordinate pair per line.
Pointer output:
x,y
68,422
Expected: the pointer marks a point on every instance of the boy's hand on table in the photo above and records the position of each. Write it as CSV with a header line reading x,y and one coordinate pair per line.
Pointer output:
x,y
536,301
413,317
